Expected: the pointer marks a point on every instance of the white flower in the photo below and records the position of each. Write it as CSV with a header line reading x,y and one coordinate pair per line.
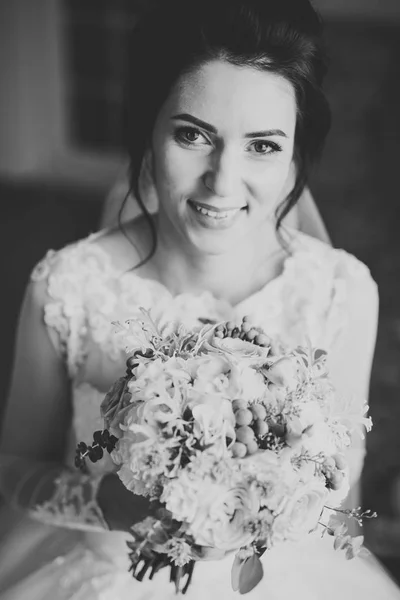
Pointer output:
x,y
179,551
270,478
133,484
301,512
211,374
217,510
283,373
319,438
214,422
309,413
239,349
336,497
133,335
221,520
250,383
181,497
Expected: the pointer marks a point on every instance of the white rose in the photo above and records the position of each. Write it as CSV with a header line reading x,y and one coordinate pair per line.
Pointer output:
x,y
222,517
301,512
240,349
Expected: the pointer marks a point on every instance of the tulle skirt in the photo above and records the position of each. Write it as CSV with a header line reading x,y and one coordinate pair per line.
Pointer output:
x,y
39,562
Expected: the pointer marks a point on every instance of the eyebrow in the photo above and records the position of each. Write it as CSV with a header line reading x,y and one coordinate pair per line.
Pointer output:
x,y
212,129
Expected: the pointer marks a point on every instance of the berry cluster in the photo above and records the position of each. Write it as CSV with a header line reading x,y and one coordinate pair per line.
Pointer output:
x,y
243,331
253,430
102,440
333,468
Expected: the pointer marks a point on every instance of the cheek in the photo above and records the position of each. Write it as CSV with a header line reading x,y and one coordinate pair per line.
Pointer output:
x,y
269,182
178,171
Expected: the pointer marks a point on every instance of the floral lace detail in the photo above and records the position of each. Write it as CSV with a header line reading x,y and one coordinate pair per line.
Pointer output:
x,y
73,504
82,300
308,301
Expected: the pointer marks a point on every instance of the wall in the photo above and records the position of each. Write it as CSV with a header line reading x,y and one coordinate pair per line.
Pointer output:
x,y
33,140
371,9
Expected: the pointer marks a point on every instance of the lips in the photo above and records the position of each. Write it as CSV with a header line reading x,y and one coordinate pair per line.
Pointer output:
x,y
219,213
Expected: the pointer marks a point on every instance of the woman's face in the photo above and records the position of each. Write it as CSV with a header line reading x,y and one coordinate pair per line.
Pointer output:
x,y
222,147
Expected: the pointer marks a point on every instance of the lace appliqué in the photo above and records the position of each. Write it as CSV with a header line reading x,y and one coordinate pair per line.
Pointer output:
x,y
74,504
316,285
81,297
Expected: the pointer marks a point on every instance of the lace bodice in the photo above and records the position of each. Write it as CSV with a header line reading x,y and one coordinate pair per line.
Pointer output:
x,y
87,294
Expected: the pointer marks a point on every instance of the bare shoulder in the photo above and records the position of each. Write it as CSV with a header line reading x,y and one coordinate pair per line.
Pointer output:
x,y
126,246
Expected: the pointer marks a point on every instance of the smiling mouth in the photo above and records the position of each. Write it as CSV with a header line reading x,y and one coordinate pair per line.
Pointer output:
x,y
218,214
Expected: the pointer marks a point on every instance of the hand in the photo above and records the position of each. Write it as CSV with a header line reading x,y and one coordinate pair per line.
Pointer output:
x,y
121,508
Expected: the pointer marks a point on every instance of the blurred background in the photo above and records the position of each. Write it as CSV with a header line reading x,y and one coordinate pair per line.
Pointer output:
x,y
61,65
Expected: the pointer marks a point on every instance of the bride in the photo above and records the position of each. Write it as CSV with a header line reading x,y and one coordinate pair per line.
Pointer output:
x,y
224,103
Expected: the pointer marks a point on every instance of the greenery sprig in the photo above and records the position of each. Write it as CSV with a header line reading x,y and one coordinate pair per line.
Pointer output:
x,y
102,440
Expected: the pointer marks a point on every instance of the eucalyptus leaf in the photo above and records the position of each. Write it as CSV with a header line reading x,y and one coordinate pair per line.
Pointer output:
x,y
235,572
250,575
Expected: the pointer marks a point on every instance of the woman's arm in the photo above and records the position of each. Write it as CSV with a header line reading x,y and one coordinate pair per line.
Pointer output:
x,y
33,476
351,358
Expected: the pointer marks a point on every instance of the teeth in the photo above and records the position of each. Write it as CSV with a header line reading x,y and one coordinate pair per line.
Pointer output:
x,y
216,215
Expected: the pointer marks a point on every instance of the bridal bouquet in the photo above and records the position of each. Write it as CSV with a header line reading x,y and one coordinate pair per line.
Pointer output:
x,y
239,442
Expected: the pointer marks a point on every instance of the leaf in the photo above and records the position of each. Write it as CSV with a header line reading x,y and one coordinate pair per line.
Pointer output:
x,y
113,400
250,575
235,572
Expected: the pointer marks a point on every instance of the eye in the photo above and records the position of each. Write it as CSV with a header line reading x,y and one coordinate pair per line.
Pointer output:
x,y
265,147
190,136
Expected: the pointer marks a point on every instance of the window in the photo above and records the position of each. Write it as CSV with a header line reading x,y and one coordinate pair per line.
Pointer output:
x,y
95,42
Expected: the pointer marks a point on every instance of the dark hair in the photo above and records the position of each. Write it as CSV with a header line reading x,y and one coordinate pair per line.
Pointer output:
x,y
279,36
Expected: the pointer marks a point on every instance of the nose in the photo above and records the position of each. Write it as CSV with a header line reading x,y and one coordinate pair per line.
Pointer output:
x,y
222,174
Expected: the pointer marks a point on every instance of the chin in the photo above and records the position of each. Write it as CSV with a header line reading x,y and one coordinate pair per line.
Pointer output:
x,y
215,243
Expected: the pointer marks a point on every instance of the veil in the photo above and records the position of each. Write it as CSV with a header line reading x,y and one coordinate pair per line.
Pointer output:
x,y
120,196
304,216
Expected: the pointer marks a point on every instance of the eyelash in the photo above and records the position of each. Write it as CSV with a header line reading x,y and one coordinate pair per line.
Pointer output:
x,y
182,131
273,146
180,135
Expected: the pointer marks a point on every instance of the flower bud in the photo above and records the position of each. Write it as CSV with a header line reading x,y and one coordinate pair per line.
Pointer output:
x,y
252,334
329,464
258,411
336,480
244,434
261,428
238,404
262,340
239,450
246,327
340,461
252,447
243,416
283,373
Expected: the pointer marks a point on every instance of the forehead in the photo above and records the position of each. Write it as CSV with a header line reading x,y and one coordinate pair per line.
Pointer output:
x,y
238,98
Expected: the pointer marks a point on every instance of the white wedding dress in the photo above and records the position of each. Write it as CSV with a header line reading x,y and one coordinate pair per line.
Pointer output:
x,y
63,554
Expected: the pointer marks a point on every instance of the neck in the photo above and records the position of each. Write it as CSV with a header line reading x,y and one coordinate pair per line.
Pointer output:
x,y
232,276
